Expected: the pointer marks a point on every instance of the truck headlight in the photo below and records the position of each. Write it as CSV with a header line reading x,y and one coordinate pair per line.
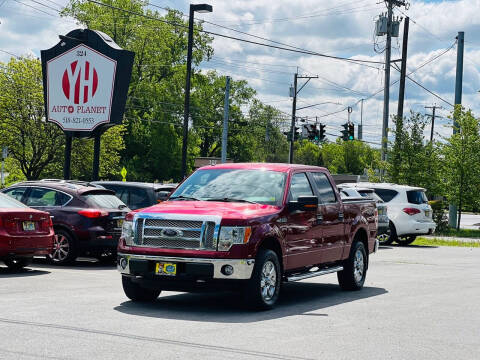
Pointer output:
x,y
230,235
127,232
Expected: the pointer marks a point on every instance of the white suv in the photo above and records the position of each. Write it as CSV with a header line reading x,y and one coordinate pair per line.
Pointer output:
x,y
408,209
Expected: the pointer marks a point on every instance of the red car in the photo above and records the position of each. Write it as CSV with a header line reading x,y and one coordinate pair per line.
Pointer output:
x,y
24,233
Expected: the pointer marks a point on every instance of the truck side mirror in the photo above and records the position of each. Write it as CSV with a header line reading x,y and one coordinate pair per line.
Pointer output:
x,y
304,203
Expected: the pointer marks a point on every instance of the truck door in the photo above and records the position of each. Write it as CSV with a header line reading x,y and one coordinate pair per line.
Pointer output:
x,y
330,218
301,236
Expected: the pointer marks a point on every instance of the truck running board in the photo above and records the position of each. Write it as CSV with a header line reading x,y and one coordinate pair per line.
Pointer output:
x,y
311,274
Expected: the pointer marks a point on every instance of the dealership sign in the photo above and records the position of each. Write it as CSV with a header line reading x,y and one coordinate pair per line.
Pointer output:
x,y
86,79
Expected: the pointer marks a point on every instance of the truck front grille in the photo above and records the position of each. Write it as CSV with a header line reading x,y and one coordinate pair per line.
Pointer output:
x,y
175,234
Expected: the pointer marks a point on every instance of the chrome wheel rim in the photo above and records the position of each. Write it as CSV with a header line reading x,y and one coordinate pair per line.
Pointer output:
x,y
268,282
358,266
61,248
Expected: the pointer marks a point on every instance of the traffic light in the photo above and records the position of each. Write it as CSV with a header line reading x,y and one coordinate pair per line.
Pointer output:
x,y
345,132
288,134
321,133
348,132
351,131
310,131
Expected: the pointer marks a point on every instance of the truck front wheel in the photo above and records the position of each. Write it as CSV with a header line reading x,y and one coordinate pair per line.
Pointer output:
x,y
263,289
354,270
136,293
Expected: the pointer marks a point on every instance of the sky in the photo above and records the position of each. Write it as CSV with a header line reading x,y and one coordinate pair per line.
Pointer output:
x,y
343,28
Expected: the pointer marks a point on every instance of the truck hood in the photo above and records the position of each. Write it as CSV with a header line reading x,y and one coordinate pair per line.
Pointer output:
x,y
226,210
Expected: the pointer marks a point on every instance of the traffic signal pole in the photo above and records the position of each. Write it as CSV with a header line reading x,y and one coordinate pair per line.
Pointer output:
x,y
294,110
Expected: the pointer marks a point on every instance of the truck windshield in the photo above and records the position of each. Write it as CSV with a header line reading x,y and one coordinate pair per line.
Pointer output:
x,y
259,186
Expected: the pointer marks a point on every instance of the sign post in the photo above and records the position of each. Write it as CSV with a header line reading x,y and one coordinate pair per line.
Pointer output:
x,y
4,156
85,84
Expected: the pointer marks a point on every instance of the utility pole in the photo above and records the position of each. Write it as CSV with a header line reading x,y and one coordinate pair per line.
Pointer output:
x,y
294,110
434,107
452,208
386,90
294,92
403,69
360,127
225,120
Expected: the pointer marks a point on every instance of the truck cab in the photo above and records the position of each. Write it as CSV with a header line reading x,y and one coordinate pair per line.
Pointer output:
x,y
247,227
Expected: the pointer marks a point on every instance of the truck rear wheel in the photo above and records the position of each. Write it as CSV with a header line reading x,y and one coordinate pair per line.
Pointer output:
x,y
263,289
354,270
137,293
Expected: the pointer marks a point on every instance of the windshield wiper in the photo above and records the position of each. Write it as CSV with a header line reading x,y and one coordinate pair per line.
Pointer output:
x,y
227,199
182,197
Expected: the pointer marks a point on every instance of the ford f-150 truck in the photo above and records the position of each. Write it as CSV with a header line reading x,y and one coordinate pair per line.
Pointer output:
x,y
247,227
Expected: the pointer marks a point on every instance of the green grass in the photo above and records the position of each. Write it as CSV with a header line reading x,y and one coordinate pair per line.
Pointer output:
x,y
464,233
440,242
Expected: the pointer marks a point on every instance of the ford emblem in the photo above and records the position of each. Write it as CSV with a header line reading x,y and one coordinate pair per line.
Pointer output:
x,y
171,233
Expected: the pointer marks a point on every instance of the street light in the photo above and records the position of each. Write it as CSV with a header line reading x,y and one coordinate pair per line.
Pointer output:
x,y
200,8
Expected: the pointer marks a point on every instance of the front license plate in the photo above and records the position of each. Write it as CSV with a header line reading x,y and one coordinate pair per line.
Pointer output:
x,y
168,269
120,223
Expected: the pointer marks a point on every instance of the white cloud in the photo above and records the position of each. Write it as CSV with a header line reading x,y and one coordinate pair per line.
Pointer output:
x,y
341,28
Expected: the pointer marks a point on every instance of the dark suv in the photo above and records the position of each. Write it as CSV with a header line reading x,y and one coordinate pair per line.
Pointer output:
x,y
87,220
138,195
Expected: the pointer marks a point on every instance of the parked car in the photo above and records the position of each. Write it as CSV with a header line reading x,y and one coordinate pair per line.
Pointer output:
x,y
249,227
408,210
383,226
138,195
24,233
87,220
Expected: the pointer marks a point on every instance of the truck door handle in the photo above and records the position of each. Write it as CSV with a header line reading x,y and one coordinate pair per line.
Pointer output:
x,y
319,219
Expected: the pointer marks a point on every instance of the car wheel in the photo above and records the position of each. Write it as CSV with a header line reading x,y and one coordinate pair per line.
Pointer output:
x,y
384,239
263,289
354,270
17,264
406,240
137,293
64,249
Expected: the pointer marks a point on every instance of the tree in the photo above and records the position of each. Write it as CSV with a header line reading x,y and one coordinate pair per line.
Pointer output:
x,y
461,161
412,161
32,142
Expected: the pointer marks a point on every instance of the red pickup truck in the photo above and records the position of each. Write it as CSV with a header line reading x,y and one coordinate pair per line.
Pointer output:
x,y
247,227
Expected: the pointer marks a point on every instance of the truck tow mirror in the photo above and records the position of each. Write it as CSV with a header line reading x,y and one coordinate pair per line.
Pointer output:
x,y
304,203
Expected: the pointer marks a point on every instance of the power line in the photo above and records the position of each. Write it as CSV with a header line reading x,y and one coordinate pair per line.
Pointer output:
x,y
42,4
33,7
308,52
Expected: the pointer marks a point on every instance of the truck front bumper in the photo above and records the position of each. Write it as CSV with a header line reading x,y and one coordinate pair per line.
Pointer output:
x,y
144,265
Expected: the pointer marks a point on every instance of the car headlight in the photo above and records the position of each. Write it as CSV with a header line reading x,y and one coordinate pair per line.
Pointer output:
x,y
230,235
127,232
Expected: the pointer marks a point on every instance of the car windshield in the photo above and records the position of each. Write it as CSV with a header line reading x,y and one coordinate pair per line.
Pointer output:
x,y
416,197
371,195
104,201
7,202
258,186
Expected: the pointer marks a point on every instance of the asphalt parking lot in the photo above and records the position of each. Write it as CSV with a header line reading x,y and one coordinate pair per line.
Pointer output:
x,y
418,303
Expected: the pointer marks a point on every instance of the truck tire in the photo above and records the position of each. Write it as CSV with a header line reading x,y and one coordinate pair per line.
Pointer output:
x,y
354,270
263,288
136,293
17,264
406,240
64,248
